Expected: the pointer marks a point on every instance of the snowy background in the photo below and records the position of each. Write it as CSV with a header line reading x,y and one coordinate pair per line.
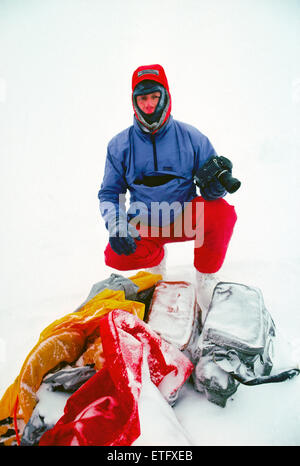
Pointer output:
x,y
65,91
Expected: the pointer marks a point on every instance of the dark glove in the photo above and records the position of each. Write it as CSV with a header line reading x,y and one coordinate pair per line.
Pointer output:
x,y
121,237
217,171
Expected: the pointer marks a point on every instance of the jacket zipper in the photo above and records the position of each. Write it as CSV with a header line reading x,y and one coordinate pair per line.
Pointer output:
x,y
154,151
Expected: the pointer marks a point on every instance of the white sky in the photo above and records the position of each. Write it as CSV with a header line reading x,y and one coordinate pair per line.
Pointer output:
x,y
65,90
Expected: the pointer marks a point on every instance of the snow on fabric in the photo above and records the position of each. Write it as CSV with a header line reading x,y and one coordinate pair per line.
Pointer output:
x,y
236,343
62,341
152,405
109,400
173,312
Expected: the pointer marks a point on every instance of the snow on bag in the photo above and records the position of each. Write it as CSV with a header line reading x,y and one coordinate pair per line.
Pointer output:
x,y
236,343
53,393
174,313
72,339
104,411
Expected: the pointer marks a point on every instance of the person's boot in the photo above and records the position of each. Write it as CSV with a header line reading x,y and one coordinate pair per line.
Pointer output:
x,y
205,285
161,268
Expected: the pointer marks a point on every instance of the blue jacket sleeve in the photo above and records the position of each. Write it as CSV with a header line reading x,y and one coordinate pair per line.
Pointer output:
x,y
112,191
214,189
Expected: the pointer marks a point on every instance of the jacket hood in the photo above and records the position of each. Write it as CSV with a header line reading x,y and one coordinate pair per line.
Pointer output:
x,y
153,73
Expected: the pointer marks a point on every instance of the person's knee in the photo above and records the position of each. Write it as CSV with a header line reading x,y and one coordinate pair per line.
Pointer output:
x,y
220,213
148,253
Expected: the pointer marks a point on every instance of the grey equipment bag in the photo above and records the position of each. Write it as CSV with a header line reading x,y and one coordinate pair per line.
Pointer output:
x,y
236,343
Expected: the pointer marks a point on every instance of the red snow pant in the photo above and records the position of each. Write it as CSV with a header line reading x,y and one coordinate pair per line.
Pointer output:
x,y
209,223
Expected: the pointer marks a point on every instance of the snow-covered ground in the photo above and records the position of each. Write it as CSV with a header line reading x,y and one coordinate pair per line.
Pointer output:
x,y
65,76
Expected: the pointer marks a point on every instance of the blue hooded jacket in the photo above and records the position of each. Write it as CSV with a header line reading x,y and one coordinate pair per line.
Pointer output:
x,y
174,154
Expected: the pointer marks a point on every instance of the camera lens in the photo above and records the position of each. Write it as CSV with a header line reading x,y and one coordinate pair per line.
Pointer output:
x,y
230,184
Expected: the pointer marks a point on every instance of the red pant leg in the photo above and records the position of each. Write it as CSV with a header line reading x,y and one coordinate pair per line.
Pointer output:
x,y
210,226
218,224
149,253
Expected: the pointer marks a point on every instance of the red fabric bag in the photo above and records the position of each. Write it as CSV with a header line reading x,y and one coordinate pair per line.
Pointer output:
x,y
104,411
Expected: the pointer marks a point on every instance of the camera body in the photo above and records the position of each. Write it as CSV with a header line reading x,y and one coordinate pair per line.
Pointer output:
x,y
219,168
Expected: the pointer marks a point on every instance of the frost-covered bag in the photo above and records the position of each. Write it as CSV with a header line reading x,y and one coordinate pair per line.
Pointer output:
x,y
236,343
174,313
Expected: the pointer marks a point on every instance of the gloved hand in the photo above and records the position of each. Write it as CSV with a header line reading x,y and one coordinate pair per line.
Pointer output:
x,y
215,176
121,237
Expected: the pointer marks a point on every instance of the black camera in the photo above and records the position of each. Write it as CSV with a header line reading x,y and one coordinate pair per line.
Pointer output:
x,y
219,168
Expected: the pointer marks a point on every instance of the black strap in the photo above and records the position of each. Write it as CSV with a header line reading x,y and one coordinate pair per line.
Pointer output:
x,y
281,377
